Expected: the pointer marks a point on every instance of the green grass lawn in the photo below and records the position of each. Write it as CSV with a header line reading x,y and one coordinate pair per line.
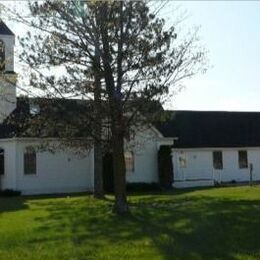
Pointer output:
x,y
215,223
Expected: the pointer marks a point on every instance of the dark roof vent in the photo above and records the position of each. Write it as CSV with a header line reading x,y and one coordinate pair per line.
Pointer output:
x,y
34,108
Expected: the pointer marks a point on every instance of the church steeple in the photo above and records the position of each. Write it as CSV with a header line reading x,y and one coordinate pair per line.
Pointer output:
x,y
7,41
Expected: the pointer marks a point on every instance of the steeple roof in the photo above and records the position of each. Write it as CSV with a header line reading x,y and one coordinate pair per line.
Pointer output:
x,y
4,29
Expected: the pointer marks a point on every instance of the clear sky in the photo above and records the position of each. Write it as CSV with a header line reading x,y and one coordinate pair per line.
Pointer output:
x,y
230,30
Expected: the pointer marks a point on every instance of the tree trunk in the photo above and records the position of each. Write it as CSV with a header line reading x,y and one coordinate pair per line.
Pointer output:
x,y
98,154
116,115
98,171
121,205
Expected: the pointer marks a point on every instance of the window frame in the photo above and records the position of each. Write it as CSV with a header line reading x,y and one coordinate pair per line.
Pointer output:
x,y
183,160
29,151
244,163
132,158
2,153
219,164
34,109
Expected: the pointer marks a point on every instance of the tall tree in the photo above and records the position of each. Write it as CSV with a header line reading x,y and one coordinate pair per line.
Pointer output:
x,y
121,46
98,151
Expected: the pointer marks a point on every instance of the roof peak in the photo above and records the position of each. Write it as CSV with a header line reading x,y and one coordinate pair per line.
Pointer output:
x,y
4,29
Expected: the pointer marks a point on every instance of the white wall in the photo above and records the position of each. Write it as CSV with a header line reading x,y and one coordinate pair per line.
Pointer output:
x,y
199,166
254,158
63,171
58,172
8,180
231,169
145,152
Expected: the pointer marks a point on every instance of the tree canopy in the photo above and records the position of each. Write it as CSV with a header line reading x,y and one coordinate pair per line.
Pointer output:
x,y
138,60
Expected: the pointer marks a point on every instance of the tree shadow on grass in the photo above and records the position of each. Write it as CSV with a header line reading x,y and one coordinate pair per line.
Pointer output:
x,y
16,203
201,227
205,228
171,191
8,204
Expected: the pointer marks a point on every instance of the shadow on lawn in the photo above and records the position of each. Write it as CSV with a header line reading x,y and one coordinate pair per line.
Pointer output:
x,y
8,204
199,227
172,191
16,203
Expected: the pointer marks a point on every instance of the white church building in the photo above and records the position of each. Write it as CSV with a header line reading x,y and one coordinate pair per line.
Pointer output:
x,y
207,147
24,168
214,147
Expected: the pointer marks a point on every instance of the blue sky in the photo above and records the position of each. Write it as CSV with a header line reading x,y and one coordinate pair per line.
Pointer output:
x,y
231,32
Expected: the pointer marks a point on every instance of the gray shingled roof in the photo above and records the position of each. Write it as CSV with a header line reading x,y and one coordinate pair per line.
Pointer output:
x,y
212,128
193,128
59,112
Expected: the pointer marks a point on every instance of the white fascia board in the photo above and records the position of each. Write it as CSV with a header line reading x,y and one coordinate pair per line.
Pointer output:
x,y
216,148
166,141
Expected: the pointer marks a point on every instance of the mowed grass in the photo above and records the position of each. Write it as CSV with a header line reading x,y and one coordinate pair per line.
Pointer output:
x,y
214,223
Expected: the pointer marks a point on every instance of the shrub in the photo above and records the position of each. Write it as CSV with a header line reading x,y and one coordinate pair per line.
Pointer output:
x,y
9,193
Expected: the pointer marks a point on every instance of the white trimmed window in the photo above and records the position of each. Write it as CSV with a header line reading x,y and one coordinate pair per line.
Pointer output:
x,y
218,160
34,109
129,162
182,160
29,161
242,159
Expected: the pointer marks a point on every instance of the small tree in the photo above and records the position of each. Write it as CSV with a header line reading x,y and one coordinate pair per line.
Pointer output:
x,y
119,54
